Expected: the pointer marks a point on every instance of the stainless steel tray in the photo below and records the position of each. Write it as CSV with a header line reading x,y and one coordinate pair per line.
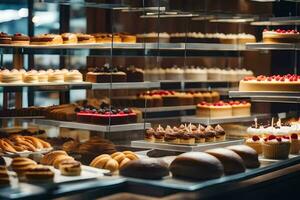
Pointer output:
x,y
185,148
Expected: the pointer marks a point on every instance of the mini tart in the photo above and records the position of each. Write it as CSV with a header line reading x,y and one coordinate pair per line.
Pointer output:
x,y
85,38
46,39
20,39
70,168
4,177
5,38
255,143
73,76
276,147
39,174
69,38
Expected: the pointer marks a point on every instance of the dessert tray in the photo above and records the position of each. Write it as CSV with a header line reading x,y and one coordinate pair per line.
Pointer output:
x,y
27,153
185,147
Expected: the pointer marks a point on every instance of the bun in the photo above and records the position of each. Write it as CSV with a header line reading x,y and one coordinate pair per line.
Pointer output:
x,y
249,155
145,168
196,165
123,157
21,165
231,161
4,177
105,161
2,161
70,168
49,158
39,173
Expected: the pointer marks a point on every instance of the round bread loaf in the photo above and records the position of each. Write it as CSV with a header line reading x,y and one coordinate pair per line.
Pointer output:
x,y
145,168
231,161
196,165
249,155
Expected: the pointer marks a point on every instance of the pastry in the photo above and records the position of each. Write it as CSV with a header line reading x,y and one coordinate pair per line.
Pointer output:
x,y
276,147
73,76
56,77
231,161
196,165
105,161
149,135
220,133
195,74
2,161
128,38
42,76
31,77
174,73
214,110
70,168
4,177
249,155
281,36
240,108
21,165
199,134
106,74
255,142
153,37
39,174
13,76
271,83
172,136
123,157
5,38
62,158
20,39
85,38
69,38
49,158
159,134
295,144
46,39
210,134
145,168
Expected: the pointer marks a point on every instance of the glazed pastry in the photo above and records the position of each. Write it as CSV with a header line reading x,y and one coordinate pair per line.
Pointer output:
x,y
105,161
49,158
39,174
21,165
70,168
4,177
46,39
61,158
5,38
69,38
145,168
196,165
20,39
85,38
231,161
123,157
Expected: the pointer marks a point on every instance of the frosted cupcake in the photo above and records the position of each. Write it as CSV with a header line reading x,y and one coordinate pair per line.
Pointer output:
x,y
276,147
255,143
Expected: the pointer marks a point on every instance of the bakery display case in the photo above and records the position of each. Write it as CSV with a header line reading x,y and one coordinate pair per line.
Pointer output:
x,y
148,97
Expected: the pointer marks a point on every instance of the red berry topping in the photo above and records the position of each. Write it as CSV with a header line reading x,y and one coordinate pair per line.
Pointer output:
x,y
286,137
282,79
255,138
271,137
269,79
279,139
294,136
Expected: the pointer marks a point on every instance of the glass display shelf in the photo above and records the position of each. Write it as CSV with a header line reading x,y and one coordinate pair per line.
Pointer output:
x,y
127,85
183,147
266,96
278,21
93,127
208,121
275,46
167,108
83,3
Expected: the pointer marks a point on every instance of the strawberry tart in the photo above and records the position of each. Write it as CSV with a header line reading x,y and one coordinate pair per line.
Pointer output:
x,y
270,83
214,110
281,36
274,147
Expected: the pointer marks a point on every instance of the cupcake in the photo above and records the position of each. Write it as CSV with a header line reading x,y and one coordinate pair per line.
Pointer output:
x,y
295,144
187,137
210,134
276,147
171,136
159,134
199,135
220,133
255,143
149,135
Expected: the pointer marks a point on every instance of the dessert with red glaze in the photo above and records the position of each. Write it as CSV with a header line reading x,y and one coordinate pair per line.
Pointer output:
x,y
214,110
276,147
281,36
240,108
255,142
20,39
270,83
105,116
